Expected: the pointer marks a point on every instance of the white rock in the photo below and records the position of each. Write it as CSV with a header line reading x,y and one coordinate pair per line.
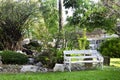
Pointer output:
x,y
29,68
58,67
26,41
1,69
0,61
19,51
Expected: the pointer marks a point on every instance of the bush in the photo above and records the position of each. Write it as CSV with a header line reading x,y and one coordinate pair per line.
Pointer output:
x,y
49,57
111,48
11,57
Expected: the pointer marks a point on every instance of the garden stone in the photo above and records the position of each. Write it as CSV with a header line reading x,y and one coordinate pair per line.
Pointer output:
x,y
58,67
1,69
31,60
11,68
29,68
76,67
41,69
26,41
39,64
0,61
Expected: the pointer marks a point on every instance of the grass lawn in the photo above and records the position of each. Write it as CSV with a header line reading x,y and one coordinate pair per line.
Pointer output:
x,y
108,73
115,62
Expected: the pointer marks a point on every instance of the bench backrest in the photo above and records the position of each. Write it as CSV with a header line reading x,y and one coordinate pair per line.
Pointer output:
x,y
83,54
67,52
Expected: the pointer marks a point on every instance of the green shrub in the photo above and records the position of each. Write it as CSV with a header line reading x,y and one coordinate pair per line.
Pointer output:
x,y
12,57
49,57
59,56
111,48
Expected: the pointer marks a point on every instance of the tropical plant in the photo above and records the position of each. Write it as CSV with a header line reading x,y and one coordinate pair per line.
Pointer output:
x,y
14,15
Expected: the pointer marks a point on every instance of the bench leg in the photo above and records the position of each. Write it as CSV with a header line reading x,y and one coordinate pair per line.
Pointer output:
x,y
69,67
102,65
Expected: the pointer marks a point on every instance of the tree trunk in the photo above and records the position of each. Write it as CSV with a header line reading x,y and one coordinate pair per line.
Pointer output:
x,y
60,24
60,16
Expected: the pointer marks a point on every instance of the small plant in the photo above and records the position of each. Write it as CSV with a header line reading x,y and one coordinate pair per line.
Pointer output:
x,y
50,56
12,57
47,57
59,56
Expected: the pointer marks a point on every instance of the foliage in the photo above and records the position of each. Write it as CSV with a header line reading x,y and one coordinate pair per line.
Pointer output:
x,y
46,24
11,57
71,3
100,19
82,42
50,15
83,9
118,31
75,40
1,46
111,48
49,57
113,7
91,15
14,15
59,56
70,40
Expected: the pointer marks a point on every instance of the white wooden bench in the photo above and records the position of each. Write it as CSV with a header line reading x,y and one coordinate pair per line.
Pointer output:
x,y
79,56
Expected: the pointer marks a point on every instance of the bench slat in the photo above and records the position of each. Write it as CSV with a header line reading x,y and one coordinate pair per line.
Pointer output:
x,y
79,57
90,61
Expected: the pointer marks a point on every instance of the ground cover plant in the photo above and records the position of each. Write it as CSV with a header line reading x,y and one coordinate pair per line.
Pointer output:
x,y
108,73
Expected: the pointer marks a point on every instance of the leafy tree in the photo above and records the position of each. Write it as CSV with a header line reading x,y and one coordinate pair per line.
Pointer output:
x,y
53,18
91,15
14,15
81,11
114,10
50,15
112,5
